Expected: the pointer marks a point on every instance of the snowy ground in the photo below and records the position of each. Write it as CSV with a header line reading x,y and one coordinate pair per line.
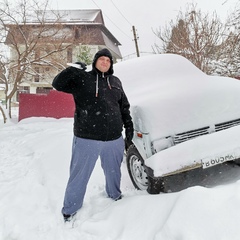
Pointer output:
x,y
34,163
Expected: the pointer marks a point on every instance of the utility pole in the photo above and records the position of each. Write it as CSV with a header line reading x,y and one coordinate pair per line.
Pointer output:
x,y
135,39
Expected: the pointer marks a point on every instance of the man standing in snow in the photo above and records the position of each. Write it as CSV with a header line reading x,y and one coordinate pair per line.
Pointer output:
x,y
101,111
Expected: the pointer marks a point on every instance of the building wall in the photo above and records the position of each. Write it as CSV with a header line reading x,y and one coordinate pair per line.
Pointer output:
x,y
42,74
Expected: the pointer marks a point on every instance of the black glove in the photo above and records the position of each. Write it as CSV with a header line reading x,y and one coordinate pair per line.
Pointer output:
x,y
129,137
129,134
82,65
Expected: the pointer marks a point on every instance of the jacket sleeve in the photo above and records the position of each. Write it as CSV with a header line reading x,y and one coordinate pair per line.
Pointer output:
x,y
68,80
125,110
127,120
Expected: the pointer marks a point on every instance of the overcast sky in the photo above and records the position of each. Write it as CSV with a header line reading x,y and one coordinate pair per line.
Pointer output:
x,y
145,15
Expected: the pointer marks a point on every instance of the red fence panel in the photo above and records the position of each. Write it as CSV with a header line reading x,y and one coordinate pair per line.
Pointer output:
x,y
55,104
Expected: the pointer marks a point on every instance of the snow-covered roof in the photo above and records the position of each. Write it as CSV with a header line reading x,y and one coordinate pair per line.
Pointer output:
x,y
76,16
174,96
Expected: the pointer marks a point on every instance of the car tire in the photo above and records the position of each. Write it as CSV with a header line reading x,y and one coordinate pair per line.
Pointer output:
x,y
136,169
237,161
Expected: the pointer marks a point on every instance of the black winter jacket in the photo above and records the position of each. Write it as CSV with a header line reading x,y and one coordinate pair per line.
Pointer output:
x,y
100,117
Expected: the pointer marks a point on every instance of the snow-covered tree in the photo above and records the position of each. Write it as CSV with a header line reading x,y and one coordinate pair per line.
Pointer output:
x,y
84,55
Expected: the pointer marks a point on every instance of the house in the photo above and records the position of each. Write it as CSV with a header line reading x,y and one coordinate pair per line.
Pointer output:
x,y
80,28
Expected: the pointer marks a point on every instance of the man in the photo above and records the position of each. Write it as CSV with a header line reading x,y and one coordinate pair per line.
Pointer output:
x,y
101,110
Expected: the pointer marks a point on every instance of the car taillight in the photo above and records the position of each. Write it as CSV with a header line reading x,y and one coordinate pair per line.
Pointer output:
x,y
139,135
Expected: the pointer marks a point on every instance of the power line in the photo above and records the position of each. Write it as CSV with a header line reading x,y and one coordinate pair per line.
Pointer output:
x,y
112,21
120,13
133,27
224,2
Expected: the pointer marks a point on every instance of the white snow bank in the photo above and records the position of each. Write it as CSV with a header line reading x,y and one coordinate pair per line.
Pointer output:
x,y
34,160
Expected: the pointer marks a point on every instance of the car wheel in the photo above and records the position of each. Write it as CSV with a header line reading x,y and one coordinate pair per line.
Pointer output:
x,y
136,169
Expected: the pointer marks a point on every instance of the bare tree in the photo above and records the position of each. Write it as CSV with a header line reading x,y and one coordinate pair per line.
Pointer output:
x,y
229,61
33,43
193,35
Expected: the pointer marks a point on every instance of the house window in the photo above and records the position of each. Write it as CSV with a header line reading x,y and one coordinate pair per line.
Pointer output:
x,y
43,90
69,54
36,77
22,89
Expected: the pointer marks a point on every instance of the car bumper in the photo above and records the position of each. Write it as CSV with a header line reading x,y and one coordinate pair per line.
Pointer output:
x,y
203,152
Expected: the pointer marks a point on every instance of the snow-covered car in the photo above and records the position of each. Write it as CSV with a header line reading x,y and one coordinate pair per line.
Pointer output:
x,y
180,115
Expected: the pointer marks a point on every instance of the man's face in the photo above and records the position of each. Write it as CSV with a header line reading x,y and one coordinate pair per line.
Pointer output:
x,y
103,64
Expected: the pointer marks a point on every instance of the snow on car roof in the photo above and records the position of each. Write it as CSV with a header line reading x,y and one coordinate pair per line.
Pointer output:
x,y
170,95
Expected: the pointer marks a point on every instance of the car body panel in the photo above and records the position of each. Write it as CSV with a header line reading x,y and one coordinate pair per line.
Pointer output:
x,y
169,96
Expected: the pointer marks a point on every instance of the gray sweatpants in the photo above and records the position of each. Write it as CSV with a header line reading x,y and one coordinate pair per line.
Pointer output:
x,y
85,153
